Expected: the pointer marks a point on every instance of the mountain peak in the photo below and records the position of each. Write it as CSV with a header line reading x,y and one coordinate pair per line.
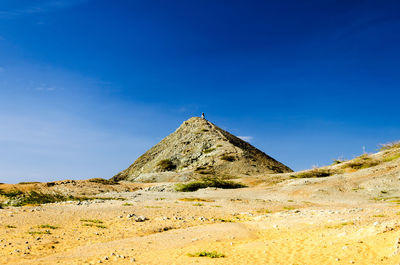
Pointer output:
x,y
198,148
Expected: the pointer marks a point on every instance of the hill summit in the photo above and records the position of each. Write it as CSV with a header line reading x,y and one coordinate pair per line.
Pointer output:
x,y
199,148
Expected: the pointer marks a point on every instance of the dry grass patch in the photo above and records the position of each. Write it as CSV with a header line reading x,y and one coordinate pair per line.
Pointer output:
x,y
315,173
95,221
48,226
391,158
337,226
264,211
103,181
361,162
206,182
390,146
195,200
208,254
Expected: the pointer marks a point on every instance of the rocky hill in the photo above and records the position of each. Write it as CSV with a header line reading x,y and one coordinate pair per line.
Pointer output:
x,y
199,148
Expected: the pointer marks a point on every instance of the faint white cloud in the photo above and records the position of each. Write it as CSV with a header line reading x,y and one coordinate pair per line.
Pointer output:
x,y
44,88
1,69
246,138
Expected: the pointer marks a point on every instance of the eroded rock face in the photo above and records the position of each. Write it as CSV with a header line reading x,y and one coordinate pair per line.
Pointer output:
x,y
199,148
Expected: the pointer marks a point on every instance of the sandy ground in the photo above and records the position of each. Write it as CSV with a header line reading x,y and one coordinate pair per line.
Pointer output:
x,y
344,219
236,223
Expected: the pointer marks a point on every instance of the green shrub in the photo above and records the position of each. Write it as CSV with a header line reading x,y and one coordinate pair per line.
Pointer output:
x,y
94,221
11,194
166,165
315,173
208,182
103,181
212,254
46,232
229,158
209,150
337,161
204,170
36,198
48,226
361,162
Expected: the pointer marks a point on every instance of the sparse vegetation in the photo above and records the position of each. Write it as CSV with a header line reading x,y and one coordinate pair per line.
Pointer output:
x,y
203,170
127,204
337,161
94,225
94,221
379,215
391,158
361,162
166,165
103,181
29,182
229,158
289,208
198,204
195,200
11,226
46,232
48,226
264,211
212,254
340,225
208,182
389,146
209,150
315,173
11,194
33,198
226,220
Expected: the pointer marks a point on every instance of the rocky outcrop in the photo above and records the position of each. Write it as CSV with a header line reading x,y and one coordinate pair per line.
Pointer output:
x,y
199,148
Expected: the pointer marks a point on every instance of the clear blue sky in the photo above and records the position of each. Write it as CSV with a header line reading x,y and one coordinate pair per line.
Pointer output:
x,y
88,86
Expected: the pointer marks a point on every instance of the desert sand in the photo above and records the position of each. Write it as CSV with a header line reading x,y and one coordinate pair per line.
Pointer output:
x,y
350,218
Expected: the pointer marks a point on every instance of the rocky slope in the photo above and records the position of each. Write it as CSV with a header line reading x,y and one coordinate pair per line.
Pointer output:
x,y
199,148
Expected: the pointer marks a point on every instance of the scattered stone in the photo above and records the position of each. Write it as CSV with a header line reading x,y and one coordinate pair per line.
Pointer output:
x,y
130,215
141,219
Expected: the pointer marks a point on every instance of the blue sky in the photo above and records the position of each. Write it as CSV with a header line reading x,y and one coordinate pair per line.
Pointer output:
x,y
88,86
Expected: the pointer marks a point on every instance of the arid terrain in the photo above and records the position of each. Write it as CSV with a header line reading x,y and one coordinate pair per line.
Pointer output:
x,y
348,217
